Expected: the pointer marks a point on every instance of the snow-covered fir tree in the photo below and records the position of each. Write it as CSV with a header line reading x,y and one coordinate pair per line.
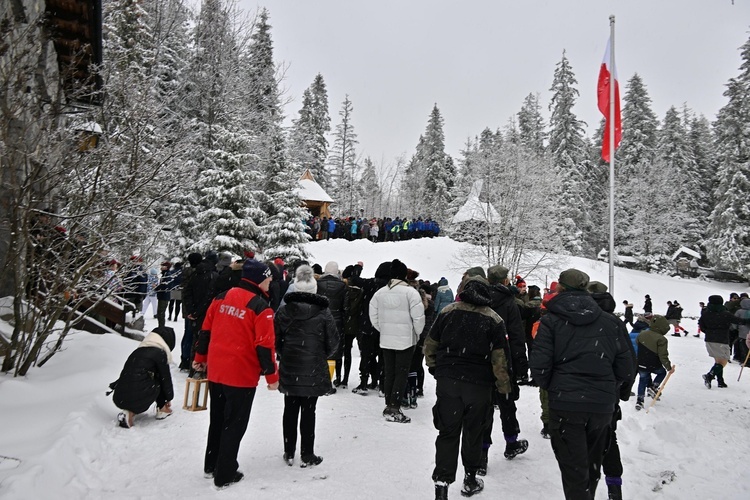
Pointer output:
x,y
531,126
728,242
569,156
634,173
342,160
430,175
308,144
676,155
372,197
701,139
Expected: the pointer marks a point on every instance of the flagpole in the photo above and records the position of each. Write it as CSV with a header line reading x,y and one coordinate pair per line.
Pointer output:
x,y
612,155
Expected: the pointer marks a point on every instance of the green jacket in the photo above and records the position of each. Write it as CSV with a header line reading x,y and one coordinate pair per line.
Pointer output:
x,y
652,347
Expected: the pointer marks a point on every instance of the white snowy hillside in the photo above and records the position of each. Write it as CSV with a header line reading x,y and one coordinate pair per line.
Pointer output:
x,y
59,438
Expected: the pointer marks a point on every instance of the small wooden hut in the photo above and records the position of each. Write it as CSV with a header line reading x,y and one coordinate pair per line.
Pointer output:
x,y
313,196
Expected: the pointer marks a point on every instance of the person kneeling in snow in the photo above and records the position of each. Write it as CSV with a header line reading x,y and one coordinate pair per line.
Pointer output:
x,y
145,378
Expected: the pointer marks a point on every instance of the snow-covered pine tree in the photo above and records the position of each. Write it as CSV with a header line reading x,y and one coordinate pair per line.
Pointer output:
x,y
372,199
439,171
342,160
701,140
634,167
676,155
221,208
728,242
308,144
412,188
569,156
531,127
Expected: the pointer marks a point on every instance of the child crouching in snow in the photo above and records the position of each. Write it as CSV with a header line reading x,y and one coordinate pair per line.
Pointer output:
x,y
653,357
145,378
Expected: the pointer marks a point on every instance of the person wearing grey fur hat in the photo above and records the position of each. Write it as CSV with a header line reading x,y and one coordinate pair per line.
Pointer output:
x,y
306,337
580,359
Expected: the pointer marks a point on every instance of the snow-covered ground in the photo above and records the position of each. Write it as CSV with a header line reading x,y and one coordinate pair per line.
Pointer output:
x,y
59,439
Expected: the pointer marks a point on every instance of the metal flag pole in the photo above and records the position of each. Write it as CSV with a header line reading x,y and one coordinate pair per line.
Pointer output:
x,y
612,155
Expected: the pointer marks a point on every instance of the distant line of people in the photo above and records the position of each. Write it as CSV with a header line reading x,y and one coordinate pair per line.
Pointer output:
x,y
373,229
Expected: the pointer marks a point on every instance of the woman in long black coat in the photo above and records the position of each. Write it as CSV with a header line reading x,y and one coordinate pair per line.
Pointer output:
x,y
306,337
146,378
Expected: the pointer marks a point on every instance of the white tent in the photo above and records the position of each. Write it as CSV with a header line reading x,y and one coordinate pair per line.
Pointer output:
x,y
477,210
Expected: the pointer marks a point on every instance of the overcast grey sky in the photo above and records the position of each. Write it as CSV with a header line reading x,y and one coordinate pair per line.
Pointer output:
x,y
478,59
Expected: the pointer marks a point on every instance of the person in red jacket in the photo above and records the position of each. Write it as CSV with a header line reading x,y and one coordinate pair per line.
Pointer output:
x,y
236,346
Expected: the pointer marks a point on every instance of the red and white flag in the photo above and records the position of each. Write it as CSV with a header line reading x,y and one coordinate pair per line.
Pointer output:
x,y
606,76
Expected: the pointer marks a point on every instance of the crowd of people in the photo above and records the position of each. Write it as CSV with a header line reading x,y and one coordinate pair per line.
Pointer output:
x,y
374,229
296,326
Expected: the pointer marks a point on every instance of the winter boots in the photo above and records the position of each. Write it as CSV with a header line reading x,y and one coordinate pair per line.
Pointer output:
x,y
289,459
639,404
614,492
310,461
515,448
441,490
482,471
707,378
126,419
361,390
720,382
394,414
472,485
235,479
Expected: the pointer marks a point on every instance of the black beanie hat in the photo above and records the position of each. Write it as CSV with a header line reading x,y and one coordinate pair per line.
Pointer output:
x,y
716,300
167,334
255,271
398,270
195,258
383,271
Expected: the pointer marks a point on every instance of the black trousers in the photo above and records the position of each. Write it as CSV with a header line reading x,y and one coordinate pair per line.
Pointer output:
x,y
395,372
508,419
579,440
462,412
295,407
612,463
347,360
368,358
229,415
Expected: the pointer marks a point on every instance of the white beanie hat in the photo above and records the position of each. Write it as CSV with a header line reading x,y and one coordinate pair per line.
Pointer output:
x,y
304,280
331,268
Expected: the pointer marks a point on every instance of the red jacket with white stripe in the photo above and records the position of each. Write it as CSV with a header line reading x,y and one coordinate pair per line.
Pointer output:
x,y
237,338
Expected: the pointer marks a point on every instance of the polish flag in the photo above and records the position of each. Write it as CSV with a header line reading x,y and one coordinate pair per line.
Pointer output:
x,y
605,78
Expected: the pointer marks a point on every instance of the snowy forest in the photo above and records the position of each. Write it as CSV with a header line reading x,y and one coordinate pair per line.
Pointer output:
x,y
194,152
194,118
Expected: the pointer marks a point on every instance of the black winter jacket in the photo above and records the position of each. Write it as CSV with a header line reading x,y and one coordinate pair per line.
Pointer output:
x,y
579,355
715,323
145,373
196,293
607,304
306,337
463,339
335,290
504,304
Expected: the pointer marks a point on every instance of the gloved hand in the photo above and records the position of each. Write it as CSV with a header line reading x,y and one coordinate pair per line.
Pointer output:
x,y
431,370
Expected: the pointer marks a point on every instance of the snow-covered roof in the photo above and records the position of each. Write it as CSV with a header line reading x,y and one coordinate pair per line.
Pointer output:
x,y
625,259
88,127
310,190
474,209
686,250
